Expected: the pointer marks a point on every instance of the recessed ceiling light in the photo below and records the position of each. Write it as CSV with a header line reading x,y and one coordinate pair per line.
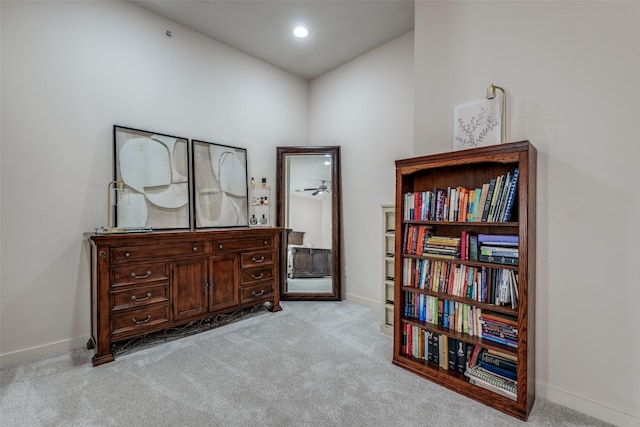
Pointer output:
x,y
300,32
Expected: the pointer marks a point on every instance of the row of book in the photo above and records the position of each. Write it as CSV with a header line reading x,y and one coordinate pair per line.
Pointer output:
x,y
491,248
461,317
490,369
446,352
453,315
496,286
495,371
493,202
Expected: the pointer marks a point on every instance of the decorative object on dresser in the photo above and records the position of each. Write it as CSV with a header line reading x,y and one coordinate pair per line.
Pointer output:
x,y
465,276
153,168
150,282
220,185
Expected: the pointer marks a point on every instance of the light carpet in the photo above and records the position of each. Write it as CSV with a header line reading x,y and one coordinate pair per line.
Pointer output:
x,y
312,364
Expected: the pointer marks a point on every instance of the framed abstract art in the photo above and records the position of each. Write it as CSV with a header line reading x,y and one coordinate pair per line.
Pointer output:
x,y
219,185
154,169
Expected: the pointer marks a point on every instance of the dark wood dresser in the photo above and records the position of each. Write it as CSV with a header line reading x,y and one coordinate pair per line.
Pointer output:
x,y
148,282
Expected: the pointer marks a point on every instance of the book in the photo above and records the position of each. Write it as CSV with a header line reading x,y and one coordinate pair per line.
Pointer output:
x,y
487,204
498,259
452,358
444,352
511,196
494,199
473,247
487,386
501,372
497,383
483,199
498,239
461,356
499,251
497,215
499,361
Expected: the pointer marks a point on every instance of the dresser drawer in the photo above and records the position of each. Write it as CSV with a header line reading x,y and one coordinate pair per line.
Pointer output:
x,y
236,244
137,321
138,296
254,275
140,273
156,251
256,293
254,259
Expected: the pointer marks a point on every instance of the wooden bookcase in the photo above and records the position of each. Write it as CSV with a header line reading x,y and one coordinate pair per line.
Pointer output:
x,y
471,169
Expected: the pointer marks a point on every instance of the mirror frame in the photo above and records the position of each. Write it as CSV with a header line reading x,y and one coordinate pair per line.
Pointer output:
x,y
336,219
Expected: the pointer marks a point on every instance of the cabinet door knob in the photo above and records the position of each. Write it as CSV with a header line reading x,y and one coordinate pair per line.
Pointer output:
x,y
257,260
136,299
144,276
140,322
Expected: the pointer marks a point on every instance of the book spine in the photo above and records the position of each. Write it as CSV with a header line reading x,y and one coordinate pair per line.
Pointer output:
x,y
511,197
498,238
500,362
487,204
498,260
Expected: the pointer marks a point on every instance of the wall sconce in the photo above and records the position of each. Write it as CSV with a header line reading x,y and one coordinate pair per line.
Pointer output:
x,y
121,193
491,94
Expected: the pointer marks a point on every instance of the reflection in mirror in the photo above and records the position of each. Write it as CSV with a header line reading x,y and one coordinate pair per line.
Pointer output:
x,y
308,192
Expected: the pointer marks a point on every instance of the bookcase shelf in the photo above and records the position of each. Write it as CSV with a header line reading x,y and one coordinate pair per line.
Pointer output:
x,y
442,324
388,267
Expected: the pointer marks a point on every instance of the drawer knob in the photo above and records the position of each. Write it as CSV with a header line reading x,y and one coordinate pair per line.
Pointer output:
x,y
257,294
140,322
220,246
136,299
144,276
127,254
259,276
264,242
195,249
257,260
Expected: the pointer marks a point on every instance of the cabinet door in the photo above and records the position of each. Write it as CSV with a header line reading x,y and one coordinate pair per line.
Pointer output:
x,y
223,273
189,288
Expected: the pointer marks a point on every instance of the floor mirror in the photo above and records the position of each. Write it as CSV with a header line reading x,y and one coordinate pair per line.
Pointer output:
x,y
308,208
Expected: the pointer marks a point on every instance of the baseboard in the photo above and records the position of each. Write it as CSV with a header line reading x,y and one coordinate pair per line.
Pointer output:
x,y
376,305
34,353
588,407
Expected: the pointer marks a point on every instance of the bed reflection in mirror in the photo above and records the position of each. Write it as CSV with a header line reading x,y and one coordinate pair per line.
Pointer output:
x,y
308,208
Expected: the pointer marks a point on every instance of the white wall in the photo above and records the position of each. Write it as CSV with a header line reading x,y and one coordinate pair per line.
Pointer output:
x,y
571,69
70,71
366,107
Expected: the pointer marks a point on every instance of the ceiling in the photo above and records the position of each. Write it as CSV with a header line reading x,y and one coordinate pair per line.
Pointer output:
x,y
339,30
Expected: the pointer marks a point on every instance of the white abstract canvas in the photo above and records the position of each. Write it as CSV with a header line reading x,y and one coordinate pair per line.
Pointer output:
x,y
477,123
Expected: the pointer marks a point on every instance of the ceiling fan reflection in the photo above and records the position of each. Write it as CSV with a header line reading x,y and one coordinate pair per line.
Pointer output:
x,y
322,188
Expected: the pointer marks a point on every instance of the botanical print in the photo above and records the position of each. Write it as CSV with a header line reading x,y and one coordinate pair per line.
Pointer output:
x,y
477,124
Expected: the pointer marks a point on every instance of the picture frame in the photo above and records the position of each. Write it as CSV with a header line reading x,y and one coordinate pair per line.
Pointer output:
x,y
154,168
220,191
477,123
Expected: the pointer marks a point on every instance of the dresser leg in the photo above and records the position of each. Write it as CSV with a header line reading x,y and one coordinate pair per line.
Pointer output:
x,y
101,360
